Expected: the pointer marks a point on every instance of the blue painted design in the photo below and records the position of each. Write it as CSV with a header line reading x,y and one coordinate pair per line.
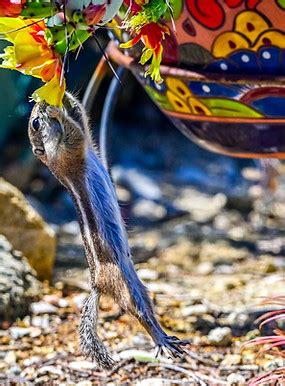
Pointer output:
x,y
206,89
222,66
269,59
246,61
273,107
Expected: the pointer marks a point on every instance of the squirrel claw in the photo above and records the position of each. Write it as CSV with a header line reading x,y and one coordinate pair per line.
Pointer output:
x,y
171,347
53,112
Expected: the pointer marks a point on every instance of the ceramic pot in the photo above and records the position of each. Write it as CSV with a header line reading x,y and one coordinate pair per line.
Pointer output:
x,y
223,75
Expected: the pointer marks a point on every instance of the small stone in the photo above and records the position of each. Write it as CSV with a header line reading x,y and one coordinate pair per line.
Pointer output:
x,y
82,365
139,340
50,370
197,310
35,332
147,274
204,268
71,228
236,379
63,303
10,358
79,300
149,209
232,360
220,336
51,299
19,332
40,321
31,361
15,369
43,308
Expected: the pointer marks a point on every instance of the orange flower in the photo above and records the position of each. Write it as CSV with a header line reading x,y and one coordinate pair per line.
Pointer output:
x,y
11,7
31,55
151,35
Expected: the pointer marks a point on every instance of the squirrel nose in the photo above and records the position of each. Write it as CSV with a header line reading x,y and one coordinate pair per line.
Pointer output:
x,y
39,151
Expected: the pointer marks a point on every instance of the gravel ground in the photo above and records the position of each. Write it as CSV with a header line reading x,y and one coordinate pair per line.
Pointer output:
x,y
207,273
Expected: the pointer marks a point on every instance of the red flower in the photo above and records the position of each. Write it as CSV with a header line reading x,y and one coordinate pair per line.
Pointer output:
x,y
151,36
11,7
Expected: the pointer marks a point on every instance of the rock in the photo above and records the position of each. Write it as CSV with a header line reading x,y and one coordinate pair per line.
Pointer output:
x,y
43,308
82,365
236,379
205,268
220,336
196,309
18,283
203,207
50,370
19,332
79,300
147,274
40,321
26,230
149,210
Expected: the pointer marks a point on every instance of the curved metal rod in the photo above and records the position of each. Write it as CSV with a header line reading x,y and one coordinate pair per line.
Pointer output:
x,y
108,112
94,84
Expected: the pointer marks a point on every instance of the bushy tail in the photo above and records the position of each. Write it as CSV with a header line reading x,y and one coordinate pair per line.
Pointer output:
x,y
90,343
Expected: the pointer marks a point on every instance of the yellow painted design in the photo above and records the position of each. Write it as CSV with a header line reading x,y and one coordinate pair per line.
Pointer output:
x,y
229,42
251,31
179,88
250,24
272,38
178,103
198,108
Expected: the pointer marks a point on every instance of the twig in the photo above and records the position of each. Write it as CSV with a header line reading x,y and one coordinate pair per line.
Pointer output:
x,y
120,365
189,373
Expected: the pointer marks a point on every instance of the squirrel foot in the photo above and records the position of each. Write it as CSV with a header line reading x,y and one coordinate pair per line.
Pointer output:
x,y
170,346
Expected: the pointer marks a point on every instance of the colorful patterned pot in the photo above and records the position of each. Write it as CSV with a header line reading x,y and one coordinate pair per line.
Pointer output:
x,y
223,75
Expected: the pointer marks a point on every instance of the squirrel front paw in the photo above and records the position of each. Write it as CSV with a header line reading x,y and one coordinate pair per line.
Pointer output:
x,y
54,112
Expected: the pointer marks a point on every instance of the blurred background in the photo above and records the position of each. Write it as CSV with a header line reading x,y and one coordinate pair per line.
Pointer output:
x,y
206,232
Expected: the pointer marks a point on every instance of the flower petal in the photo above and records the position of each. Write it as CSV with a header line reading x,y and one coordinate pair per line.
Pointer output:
x,y
52,92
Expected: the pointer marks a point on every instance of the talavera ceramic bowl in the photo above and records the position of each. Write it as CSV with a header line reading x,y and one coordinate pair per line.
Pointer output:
x,y
224,75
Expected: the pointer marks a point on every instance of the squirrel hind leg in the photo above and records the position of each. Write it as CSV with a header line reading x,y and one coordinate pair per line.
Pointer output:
x,y
90,344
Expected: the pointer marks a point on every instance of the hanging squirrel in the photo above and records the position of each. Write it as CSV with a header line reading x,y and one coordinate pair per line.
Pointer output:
x,y
61,139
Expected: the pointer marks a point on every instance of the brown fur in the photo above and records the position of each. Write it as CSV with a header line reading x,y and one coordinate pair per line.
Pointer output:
x,y
60,141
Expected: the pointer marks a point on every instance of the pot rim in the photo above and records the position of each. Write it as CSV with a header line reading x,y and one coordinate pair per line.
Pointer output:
x,y
119,57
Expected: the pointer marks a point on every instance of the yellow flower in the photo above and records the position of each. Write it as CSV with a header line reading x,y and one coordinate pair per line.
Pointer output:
x,y
31,55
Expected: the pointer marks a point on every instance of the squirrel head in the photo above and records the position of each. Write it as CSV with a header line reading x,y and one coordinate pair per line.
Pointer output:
x,y
59,135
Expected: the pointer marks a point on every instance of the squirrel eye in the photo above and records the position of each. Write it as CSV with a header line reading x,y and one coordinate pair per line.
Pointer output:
x,y
36,124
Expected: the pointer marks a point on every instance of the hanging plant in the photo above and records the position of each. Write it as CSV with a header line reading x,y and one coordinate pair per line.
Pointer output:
x,y
42,32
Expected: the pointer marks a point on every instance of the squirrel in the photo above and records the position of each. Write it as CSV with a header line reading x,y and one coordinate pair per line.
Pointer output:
x,y
61,139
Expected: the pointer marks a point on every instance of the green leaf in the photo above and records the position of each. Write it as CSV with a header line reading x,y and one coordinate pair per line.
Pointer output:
x,y
38,9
